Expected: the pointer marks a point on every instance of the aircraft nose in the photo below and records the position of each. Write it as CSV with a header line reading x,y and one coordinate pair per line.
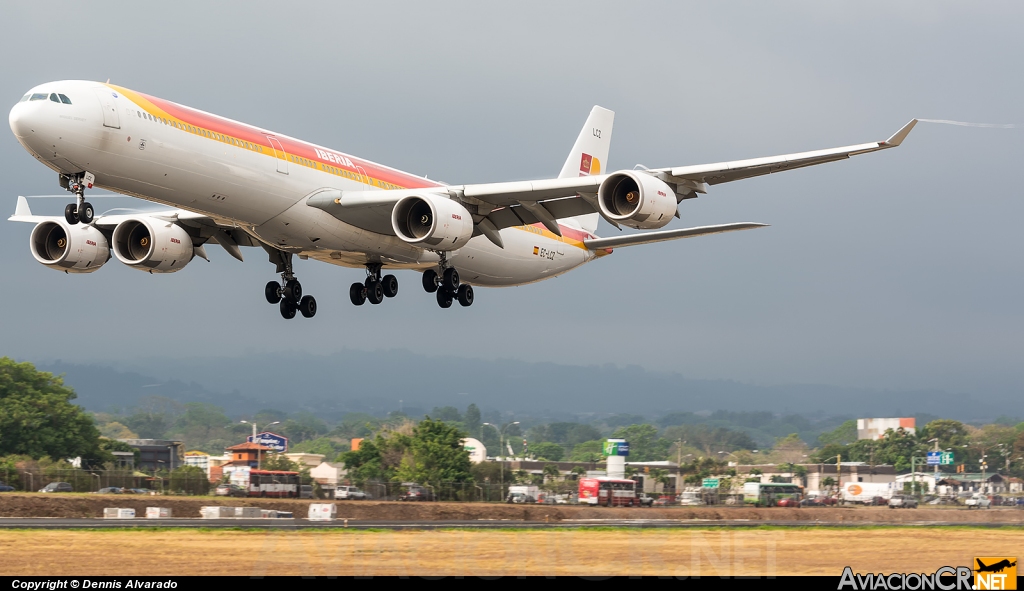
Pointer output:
x,y
18,120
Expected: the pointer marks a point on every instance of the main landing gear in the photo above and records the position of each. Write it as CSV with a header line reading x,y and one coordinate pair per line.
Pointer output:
x,y
447,285
375,288
289,297
81,210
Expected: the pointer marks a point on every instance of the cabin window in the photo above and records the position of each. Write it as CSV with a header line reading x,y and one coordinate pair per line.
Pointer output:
x,y
64,99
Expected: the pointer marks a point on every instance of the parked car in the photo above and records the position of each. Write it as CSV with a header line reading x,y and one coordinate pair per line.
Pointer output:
x,y
787,502
645,500
978,502
415,492
518,497
663,501
57,487
5,487
902,502
350,493
109,490
140,491
812,502
230,490
305,491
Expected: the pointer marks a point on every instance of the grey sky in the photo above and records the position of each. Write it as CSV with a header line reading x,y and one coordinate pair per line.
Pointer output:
x,y
899,269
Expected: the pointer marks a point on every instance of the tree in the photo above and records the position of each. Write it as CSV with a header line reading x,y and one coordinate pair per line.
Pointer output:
x,y
115,430
303,426
191,480
844,434
472,420
644,443
551,472
328,447
437,454
448,414
547,451
588,451
37,418
280,462
790,449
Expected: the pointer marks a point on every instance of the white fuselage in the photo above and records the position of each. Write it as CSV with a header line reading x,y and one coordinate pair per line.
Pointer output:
x,y
258,180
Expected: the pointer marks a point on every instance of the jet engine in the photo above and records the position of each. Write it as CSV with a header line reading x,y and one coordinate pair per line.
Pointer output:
x,y
152,245
434,222
637,200
74,249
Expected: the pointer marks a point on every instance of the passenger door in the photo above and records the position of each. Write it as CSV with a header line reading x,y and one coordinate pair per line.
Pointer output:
x,y
109,106
282,158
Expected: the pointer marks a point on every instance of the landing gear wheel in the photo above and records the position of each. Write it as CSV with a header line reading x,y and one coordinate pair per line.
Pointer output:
x,y
450,279
465,295
375,292
430,281
287,309
293,290
273,292
71,214
307,305
444,298
85,213
357,293
390,285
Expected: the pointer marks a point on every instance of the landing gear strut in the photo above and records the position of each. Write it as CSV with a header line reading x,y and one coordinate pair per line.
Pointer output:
x,y
447,284
81,210
289,297
375,288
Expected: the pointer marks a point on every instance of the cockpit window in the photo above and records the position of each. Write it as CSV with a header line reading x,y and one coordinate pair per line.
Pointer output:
x,y
64,99
54,97
38,96
25,98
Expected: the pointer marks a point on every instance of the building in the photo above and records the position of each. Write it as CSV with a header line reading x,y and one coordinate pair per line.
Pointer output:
x,y
476,449
987,483
876,428
305,460
158,454
199,459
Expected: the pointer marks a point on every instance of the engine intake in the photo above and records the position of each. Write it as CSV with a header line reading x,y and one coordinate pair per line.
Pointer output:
x,y
432,221
73,249
152,245
637,200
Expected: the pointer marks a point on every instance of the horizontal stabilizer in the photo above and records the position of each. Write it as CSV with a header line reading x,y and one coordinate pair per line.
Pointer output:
x,y
649,237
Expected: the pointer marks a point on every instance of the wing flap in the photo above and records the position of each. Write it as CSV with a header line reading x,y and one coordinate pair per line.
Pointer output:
x,y
663,235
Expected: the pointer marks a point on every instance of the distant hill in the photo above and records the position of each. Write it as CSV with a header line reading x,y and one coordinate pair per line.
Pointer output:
x,y
376,382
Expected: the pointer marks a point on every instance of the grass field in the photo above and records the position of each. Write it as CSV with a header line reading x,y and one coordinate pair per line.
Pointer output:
x,y
708,553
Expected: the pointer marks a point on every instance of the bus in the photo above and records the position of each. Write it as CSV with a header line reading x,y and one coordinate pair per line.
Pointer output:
x,y
273,483
610,492
768,494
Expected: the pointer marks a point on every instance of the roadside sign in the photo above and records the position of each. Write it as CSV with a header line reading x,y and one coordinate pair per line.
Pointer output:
x,y
616,447
710,483
934,458
278,443
947,458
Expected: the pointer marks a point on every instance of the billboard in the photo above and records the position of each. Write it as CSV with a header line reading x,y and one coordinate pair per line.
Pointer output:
x,y
278,443
876,428
616,447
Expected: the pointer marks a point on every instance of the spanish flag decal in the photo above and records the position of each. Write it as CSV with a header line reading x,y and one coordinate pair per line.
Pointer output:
x,y
536,250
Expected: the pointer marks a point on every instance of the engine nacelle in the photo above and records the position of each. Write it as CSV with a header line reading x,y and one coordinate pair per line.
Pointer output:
x,y
73,249
637,200
433,222
152,245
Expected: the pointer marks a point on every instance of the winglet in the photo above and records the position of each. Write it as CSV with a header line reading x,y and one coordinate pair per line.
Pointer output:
x,y
898,137
22,209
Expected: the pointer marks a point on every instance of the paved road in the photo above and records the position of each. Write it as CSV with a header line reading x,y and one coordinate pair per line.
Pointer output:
x,y
296,524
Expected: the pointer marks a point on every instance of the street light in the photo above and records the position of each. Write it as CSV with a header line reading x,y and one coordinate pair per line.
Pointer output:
x,y
821,471
501,442
259,456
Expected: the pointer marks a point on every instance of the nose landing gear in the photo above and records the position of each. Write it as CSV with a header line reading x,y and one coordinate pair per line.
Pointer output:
x,y
81,210
289,297
375,288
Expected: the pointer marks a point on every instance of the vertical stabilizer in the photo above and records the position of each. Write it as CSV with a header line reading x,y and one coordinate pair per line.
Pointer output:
x,y
589,156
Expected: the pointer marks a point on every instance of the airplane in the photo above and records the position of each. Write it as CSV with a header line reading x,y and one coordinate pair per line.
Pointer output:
x,y
996,567
238,185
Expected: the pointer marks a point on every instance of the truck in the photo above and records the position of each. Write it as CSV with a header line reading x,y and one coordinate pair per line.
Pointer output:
x,y
522,494
865,492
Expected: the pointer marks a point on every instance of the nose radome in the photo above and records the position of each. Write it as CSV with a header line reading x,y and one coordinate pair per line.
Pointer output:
x,y
17,120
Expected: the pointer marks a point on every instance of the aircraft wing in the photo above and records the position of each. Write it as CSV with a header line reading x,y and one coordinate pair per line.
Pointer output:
x,y
500,205
202,227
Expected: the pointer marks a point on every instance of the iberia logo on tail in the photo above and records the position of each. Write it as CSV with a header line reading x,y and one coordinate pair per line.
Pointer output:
x,y
589,165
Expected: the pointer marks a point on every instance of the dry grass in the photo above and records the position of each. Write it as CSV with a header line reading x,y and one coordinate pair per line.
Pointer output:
x,y
460,552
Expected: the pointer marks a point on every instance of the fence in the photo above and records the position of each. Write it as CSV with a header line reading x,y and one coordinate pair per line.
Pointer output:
x,y
181,483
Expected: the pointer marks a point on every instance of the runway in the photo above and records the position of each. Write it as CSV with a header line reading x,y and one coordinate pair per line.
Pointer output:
x,y
300,524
